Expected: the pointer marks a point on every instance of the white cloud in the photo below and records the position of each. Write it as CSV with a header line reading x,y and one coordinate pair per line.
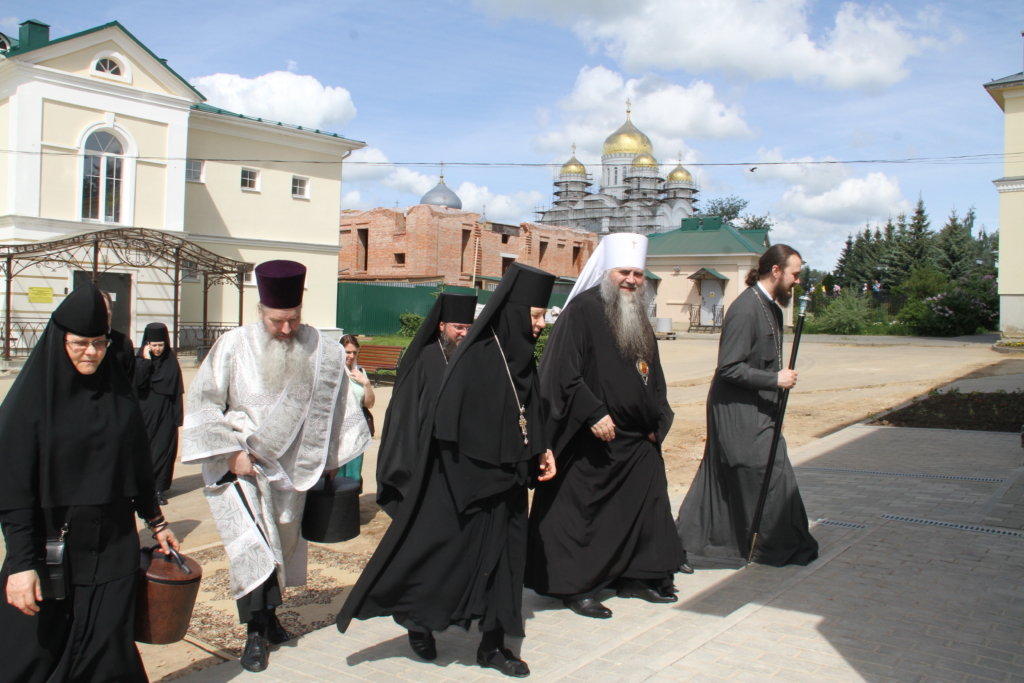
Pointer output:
x,y
501,208
854,200
280,96
759,39
353,200
9,25
293,66
404,180
667,112
368,163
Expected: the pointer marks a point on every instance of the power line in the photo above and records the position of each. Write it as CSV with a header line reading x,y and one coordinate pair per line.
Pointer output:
x,y
964,159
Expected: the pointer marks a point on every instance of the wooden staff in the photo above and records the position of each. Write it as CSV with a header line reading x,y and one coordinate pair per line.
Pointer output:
x,y
780,414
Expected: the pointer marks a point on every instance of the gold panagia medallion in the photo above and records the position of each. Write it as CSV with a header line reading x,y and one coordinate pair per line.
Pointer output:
x,y
643,369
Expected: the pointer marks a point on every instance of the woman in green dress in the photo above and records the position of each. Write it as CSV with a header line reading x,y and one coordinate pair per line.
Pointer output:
x,y
364,393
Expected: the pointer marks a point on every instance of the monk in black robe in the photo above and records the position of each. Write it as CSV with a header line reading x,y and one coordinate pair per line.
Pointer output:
x,y
456,550
718,511
75,456
160,388
605,520
407,422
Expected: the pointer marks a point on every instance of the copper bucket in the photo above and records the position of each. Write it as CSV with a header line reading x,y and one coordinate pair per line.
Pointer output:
x,y
167,590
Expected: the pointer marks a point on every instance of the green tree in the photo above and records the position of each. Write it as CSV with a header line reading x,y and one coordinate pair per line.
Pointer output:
x,y
918,249
752,222
954,248
729,208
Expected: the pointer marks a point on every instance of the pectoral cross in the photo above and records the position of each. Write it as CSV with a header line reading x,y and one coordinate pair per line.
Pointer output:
x,y
634,244
522,424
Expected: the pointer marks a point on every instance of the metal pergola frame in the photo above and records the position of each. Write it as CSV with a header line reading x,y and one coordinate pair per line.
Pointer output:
x,y
138,247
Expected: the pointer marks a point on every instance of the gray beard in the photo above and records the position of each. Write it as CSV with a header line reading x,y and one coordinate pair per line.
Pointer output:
x,y
447,345
280,361
627,315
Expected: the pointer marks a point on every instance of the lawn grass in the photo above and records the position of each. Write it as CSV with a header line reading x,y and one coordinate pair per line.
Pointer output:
x,y
386,340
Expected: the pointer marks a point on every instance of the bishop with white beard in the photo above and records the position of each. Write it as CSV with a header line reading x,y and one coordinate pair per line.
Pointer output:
x,y
604,521
270,410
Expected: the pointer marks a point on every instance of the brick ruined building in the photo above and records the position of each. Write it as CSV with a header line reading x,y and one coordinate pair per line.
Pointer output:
x,y
426,242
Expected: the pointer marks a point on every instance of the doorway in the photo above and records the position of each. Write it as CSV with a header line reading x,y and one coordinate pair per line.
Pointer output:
x,y
710,296
119,285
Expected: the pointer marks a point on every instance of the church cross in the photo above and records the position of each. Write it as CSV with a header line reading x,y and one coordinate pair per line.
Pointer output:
x,y
634,244
628,106
442,171
574,149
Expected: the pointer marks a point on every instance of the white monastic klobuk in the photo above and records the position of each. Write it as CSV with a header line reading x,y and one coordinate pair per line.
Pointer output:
x,y
618,250
314,423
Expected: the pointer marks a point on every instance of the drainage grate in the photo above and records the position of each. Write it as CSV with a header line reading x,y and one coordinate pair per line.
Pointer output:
x,y
845,525
951,525
901,474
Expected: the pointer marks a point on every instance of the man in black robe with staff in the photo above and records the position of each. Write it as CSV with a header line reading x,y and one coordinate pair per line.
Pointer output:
x,y
718,511
605,520
407,425
456,550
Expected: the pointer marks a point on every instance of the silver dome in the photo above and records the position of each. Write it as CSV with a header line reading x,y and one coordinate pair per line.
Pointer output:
x,y
442,195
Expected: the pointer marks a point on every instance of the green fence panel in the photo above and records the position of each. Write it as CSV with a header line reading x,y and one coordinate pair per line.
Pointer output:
x,y
370,309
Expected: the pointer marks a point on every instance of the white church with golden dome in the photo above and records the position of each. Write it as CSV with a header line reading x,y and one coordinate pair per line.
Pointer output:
x,y
633,195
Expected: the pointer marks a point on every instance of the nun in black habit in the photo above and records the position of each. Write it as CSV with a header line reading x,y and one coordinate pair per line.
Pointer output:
x,y
716,516
456,550
158,381
75,455
407,422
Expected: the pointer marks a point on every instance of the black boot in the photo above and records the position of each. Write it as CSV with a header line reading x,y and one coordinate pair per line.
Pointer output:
x,y
275,631
636,588
588,607
423,644
492,654
256,655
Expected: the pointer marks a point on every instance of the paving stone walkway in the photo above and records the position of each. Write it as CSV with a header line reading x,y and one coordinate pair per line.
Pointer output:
x,y
888,600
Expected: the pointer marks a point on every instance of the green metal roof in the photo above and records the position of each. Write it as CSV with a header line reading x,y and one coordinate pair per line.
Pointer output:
x,y
18,52
224,112
1015,79
650,276
724,240
707,274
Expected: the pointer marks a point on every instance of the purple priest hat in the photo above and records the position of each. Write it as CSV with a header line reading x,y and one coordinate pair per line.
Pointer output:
x,y
280,283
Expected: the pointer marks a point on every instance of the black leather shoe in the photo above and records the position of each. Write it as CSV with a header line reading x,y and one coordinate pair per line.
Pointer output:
x,y
636,589
423,644
275,632
256,656
161,499
685,569
502,659
588,608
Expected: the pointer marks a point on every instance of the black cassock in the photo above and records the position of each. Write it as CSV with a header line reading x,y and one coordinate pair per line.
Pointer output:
x,y
456,549
715,517
160,388
606,514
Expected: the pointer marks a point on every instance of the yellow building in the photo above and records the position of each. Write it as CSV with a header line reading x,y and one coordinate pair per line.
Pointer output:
x,y
1009,95
97,132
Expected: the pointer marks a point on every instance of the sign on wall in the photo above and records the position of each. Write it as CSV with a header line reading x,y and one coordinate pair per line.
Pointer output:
x,y
40,295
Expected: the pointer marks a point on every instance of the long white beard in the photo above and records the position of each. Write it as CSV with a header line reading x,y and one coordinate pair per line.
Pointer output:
x,y
627,314
281,360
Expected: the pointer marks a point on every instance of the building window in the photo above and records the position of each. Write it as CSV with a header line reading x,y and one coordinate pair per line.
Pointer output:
x,y
399,259
108,66
250,180
467,237
362,248
576,259
194,170
300,187
543,250
504,239
102,178
189,271
505,263
616,175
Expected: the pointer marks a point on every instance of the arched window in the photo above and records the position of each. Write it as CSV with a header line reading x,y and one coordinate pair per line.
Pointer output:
x,y
616,175
108,66
102,178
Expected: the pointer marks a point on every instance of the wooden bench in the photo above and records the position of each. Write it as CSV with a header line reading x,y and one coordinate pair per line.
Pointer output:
x,y
373,359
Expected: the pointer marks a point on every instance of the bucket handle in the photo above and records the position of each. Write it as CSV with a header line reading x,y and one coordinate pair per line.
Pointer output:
x,y
175,556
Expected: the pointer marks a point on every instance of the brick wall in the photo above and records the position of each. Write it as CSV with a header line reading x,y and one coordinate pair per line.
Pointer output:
x,y
432,242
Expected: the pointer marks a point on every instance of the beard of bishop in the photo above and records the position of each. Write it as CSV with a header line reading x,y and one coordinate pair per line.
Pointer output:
x,y
280,359
627,314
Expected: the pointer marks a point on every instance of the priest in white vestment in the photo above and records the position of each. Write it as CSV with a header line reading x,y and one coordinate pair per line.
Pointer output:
x,y
269,412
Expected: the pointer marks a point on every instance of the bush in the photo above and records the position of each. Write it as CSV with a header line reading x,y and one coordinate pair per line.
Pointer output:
x,y
409,324
922,283
970,303
542,341
848,314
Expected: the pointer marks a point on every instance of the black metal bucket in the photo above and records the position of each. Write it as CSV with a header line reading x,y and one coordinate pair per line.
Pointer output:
x,y
332,511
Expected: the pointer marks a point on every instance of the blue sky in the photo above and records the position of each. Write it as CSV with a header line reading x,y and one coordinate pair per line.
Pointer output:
x,y
519,81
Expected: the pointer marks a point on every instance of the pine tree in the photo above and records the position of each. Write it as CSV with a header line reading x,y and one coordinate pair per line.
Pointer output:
x,y
840,271
954,248
919,249
890,273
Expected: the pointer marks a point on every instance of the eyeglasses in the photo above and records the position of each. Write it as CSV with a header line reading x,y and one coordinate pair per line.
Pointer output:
x,y
80,345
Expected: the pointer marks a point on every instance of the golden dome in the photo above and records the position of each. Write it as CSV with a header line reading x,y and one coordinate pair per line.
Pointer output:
x,y
679,174
644,160
573,167
627,140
